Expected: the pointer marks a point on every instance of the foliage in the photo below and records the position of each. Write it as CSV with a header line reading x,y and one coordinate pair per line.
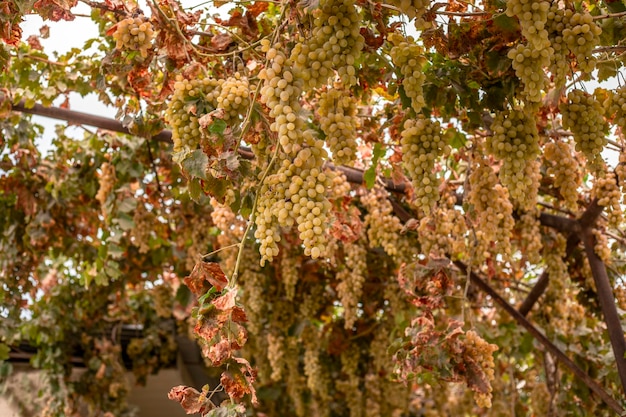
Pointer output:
x,y
472,138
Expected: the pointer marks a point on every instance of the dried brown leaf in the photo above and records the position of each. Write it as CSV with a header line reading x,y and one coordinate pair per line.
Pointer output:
x,y
192,401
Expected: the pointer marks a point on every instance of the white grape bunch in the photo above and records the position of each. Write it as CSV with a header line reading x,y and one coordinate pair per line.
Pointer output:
x,y
134,34
529,63
408,57
337,112
335,44
191,100
422,145
515,141
583,116
532,16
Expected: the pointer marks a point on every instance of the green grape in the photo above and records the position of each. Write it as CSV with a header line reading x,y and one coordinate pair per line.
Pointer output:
x,y
234,97
134,34
295,196
581,36
407,56
616,106
337,112
609,196
413,9
583,116
528,63
383,227
422,144
191,100
493,212
281,92
335,44
515,142
565,171
532,16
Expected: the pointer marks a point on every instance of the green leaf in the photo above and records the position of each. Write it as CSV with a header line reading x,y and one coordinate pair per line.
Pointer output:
x,y
4,352
370,175
195,189
195,164
218,127
455,138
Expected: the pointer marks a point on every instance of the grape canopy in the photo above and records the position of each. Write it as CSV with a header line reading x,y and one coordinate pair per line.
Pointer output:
x,y
356,208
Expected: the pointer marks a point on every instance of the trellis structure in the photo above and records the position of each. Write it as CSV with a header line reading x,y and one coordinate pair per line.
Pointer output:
x,y
577,231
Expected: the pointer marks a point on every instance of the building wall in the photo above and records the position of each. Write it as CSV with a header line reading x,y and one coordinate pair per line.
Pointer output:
x,y
152,399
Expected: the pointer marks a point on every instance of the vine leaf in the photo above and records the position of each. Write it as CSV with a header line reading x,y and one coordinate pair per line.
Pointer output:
x,y
192,401
370,174
55,10
203,273
238,380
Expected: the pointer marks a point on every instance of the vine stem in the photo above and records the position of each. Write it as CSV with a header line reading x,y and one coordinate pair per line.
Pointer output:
x,y
609,15
221,249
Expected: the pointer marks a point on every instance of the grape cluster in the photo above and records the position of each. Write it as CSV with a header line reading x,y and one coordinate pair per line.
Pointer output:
x,y
528,63
134,34
280,92
480,352
581,35
617,108
191,100
295,195
351,279
413,9
532,16
601,246
340,187
574,32
583,116
422,144
337,111
515,142
528,228
408,57
383,227
565,171
560,61
234,97
143,229
289,273
275,355
609,196
335,44
493,211
106,181
441,233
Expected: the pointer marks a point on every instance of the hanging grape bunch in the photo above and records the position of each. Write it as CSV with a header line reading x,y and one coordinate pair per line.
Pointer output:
x,y
134,34
583,115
